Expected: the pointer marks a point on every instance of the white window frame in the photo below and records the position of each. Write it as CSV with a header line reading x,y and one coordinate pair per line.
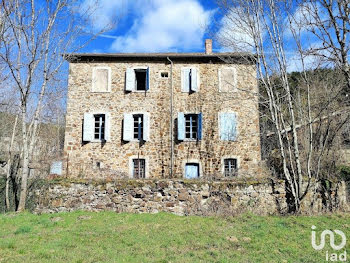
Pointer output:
x,y
198,79
131,165
143,115
193,140
110,121
149,81
104,124
184,162
143,124
223,163
237,125
220,79
94,69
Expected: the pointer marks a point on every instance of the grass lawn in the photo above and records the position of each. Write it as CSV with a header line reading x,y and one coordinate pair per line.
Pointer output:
x,y
112,237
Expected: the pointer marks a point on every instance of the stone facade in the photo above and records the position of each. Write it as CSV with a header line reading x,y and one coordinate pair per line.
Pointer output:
x,y
114,156
182,197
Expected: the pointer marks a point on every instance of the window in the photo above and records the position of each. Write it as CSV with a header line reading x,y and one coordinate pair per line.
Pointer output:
x,y
101,79
230,167
192,170
140,79
96,127
164,74
139,168
137,79
138,126
99,132
227,80
189,80
98,165
228,126
191,126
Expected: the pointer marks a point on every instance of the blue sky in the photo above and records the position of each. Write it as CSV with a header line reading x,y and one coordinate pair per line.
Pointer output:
x,y
152,25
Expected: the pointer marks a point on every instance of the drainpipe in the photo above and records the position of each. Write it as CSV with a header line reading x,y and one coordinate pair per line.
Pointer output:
x,y
171,120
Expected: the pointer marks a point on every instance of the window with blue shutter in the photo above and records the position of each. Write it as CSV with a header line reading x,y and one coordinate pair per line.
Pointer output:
x,y
189,126
136,127
228,126
96,127
137,79
189,80
192,170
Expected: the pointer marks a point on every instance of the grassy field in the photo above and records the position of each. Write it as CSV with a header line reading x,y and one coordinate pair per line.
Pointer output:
x,y
112,237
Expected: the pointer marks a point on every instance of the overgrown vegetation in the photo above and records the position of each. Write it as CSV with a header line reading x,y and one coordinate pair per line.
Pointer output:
x,y
112,237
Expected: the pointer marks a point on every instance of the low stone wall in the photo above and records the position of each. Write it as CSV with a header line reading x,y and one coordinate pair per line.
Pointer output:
x,y
182,197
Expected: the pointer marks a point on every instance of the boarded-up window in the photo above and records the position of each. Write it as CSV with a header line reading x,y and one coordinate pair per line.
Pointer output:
x,y
101,80
228,126
228,79
191,170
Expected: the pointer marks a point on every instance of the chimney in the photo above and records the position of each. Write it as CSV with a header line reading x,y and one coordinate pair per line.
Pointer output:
x,y
208,46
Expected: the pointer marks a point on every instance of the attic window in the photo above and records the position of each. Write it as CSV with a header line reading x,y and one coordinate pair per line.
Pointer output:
x,y
164,74
140,78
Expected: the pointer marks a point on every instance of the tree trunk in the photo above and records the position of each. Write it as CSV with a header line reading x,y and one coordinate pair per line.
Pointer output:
x,y
25,168
7,198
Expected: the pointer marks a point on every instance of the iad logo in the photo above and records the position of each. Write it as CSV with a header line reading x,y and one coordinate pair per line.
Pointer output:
x,y
334,256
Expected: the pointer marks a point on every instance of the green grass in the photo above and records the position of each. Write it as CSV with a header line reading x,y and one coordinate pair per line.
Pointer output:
x,y
111,237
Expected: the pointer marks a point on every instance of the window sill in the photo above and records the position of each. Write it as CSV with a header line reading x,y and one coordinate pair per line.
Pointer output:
x,y
98,141
100,91
134,140
139,91
191,140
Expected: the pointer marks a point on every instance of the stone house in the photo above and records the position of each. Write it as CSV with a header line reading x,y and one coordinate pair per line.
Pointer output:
x,y
162,115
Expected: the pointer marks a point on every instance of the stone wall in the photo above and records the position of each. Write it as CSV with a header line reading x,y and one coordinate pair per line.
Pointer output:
x,y
182,197
81,158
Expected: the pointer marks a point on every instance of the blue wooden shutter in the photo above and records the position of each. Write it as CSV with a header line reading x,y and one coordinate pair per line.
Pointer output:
x,y
185,72
228,126
88,127
199,131
180,126
191,170
147,78
130,79
128,131
194,80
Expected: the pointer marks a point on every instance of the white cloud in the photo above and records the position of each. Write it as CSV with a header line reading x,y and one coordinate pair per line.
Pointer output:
x,y
166,25
103,13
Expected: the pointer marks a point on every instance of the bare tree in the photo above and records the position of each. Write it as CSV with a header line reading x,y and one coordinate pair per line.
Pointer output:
x,y
35,36
329,22
269,28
